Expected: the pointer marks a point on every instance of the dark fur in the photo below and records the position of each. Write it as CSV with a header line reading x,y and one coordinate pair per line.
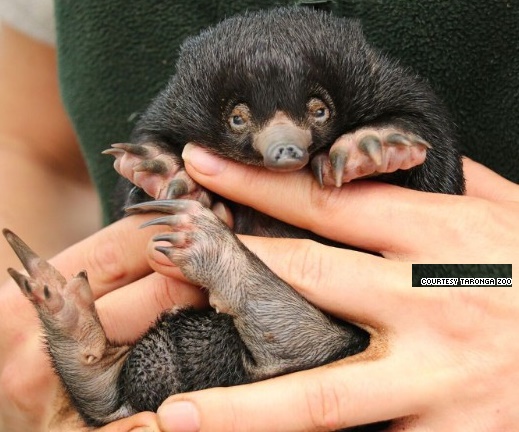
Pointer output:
x,y
275,62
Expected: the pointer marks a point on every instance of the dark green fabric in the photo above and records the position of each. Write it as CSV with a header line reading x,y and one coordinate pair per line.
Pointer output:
x,y
114,55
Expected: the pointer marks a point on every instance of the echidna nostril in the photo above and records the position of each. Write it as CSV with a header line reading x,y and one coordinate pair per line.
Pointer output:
x,y
285,157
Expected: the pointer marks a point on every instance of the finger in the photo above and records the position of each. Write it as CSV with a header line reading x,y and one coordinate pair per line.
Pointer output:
x,y
65,418
142,422
112,257
327,398
312,269
373,216
339,281
485,183
128,312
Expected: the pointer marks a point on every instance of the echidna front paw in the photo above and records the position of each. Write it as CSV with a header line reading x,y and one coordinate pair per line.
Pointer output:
x,y
369,152
159,173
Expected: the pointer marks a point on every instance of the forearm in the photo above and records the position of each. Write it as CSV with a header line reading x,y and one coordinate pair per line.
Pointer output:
x,y
50,211
44,188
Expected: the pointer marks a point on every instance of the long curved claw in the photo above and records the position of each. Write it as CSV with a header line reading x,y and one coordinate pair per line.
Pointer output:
x,y
398,139
338,160
136,149
153,166
410,140
24,252
318,164
161,206
21,280
372,147
173,238
113,152
37,267
420,141
176,188
171,221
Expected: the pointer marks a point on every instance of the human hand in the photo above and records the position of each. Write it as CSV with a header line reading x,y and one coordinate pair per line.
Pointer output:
x,y
43,177
441,358
129,298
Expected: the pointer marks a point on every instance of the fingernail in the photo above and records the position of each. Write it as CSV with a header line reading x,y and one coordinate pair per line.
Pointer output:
x,y
202,161
179,417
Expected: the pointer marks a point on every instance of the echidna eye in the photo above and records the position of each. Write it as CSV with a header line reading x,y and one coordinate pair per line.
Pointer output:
x,y
318,110
237,120
321,112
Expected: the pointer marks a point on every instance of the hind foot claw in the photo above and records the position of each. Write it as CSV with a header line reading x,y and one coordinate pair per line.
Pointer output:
x,y
66,308
199,243
195,232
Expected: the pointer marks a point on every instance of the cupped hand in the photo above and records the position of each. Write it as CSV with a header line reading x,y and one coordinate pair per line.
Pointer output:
x,y
129,298
441,358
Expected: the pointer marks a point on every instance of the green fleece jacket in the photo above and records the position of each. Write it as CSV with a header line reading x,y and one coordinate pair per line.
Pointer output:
x,y
115,55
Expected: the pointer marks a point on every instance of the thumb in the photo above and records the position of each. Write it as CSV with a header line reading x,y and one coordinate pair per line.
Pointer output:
x,y
485,183
141,422
325,399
